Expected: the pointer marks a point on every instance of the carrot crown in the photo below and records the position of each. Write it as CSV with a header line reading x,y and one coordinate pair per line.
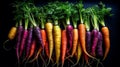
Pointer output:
x,y
86,19
102,12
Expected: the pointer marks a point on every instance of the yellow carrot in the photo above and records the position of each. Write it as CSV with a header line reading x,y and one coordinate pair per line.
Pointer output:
x,y
49,28
57,41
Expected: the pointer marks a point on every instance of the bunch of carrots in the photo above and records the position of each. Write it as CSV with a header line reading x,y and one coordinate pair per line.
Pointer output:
x,y
60,32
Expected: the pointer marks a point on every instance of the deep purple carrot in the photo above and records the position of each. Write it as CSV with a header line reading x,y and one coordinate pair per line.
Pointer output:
x,y
94,41
99,50
19,33
38,35
88,41
69,31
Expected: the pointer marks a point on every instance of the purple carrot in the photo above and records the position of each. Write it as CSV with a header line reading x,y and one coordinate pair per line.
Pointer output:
x,y
99,45
69,31
94,41
19,33
24,38
88,41
29,41
39,36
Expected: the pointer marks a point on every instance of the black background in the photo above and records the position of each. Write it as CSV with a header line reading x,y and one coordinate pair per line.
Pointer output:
x,y
8,58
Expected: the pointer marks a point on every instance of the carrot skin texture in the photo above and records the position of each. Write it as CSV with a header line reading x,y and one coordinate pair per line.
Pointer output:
x,y
57,41
69,31
94,41
43,34
24,38
99,45
19,33
64,45
106,40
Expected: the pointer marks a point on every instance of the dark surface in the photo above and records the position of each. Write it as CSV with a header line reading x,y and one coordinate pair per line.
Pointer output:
x,y
8,58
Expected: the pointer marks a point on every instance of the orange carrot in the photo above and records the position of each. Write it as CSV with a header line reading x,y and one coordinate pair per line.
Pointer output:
x,y
64,45
82,36
75,41
44,39
105,32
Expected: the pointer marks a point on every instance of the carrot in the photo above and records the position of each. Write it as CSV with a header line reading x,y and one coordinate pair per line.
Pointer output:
x,y
32,50
75,41
11,35
105,30
19,33
82,29
94,41
29,40
75,18
106,39
57,41
36,27
88,45
49,27
43,34
79,53
69,32
82,36
99,50
24,37
39,37
88,34
64,45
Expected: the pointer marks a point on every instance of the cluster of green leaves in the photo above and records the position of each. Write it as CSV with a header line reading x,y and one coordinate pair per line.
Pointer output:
x,y
62,10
